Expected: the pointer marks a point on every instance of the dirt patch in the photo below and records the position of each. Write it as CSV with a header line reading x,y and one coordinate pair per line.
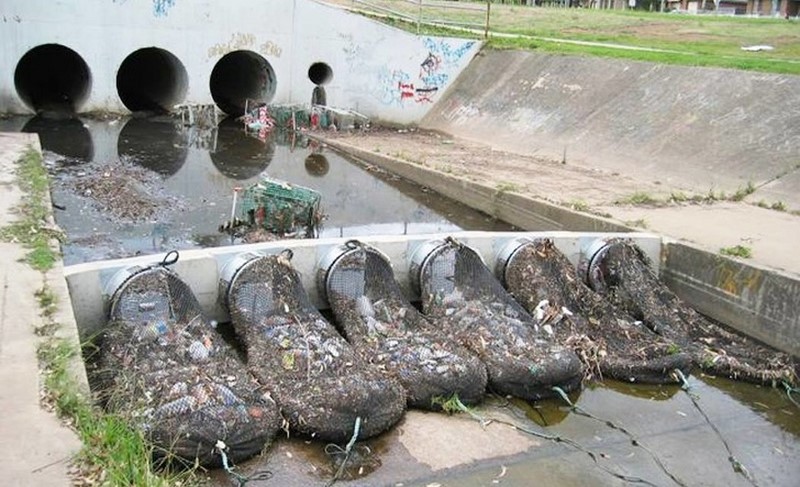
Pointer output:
x,y
557,181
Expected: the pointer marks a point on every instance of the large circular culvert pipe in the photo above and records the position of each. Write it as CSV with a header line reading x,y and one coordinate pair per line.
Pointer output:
x,y
240,76
52,78
152,80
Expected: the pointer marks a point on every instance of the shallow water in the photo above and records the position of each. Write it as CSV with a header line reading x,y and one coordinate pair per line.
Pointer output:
x,y
196,173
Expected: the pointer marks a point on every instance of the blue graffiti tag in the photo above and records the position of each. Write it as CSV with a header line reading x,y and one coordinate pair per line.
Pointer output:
x,y
161,7
448,53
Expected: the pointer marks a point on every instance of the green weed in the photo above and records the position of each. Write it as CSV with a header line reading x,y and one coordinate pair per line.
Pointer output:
x,y
737,251
778,206
638,198
743,193
31,230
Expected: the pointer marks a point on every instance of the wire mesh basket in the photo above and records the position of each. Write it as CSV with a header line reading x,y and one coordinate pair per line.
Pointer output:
x,y
280,207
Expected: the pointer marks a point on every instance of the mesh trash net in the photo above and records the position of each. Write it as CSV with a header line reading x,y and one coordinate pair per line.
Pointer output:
x,y
388,332
315,376
461,295
623,274
609,342
163,367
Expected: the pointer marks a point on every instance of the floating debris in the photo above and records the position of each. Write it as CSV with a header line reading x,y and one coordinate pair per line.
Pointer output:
x,y
460,294
609,342
623,274
162,367
320,383
389,333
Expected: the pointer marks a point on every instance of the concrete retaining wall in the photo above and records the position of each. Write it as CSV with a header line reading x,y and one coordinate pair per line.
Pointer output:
x,y
377,70
759,302
699,128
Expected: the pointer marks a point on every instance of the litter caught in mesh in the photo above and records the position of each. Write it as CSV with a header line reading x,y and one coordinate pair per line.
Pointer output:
x,y
319,382
390,334
622,272
460,294
281,208
608,342
164,368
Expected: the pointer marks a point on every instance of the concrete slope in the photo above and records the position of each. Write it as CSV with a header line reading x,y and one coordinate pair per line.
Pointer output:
x,y
692,128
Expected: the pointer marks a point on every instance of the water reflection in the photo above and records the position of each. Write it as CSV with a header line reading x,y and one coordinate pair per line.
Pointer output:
x,y
239,155
317,165
67,136
156,144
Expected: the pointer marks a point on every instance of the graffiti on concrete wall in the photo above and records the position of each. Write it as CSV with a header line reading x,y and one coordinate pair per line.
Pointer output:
x,y
241,40
160,7
435,70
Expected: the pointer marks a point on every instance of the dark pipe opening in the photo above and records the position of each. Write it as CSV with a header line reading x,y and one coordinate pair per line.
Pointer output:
x,y
320,73
241,76
52,78
317,165
151,80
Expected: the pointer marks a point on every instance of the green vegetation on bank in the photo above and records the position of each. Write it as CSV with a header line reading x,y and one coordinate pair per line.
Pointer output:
x,y
31,229
113,452
666,38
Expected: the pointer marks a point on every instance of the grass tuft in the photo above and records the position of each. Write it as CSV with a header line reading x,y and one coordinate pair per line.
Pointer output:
x,y
741,251
32,230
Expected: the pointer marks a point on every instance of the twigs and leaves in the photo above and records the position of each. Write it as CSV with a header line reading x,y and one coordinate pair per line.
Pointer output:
x,y
737,466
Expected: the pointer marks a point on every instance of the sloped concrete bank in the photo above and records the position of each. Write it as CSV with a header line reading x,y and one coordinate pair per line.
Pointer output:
x,y
698,128
755,300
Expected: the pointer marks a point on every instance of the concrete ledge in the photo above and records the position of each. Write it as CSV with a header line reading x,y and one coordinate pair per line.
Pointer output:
x,y
757,301
520,210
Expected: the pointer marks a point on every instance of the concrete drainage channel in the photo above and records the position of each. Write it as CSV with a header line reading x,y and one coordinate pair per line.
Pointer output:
x,y
421,449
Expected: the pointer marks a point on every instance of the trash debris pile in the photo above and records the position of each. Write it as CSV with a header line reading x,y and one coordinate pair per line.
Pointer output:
x,y
390,334
463,297
624,276
281,208
261,119
319,382
165,369
609,342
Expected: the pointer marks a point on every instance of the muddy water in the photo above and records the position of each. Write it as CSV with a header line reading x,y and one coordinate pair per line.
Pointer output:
x,y
193,174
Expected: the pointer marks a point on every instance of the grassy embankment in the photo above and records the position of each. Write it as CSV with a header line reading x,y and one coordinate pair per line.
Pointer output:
x,y
692,40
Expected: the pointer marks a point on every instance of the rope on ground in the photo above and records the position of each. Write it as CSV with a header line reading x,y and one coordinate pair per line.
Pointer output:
x,y
634,441
791,390
738,467
346,452
241,479
556,439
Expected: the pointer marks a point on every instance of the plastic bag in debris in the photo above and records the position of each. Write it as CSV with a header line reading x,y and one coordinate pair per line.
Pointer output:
x,y
388,332
609,342
163,367
623,273
318,381
460,294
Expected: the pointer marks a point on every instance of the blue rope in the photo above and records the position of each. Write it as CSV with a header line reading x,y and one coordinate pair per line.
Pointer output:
x,y
241,479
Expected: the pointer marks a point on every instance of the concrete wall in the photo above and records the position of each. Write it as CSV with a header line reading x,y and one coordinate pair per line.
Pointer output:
x,y
377,70
698,128
759,302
